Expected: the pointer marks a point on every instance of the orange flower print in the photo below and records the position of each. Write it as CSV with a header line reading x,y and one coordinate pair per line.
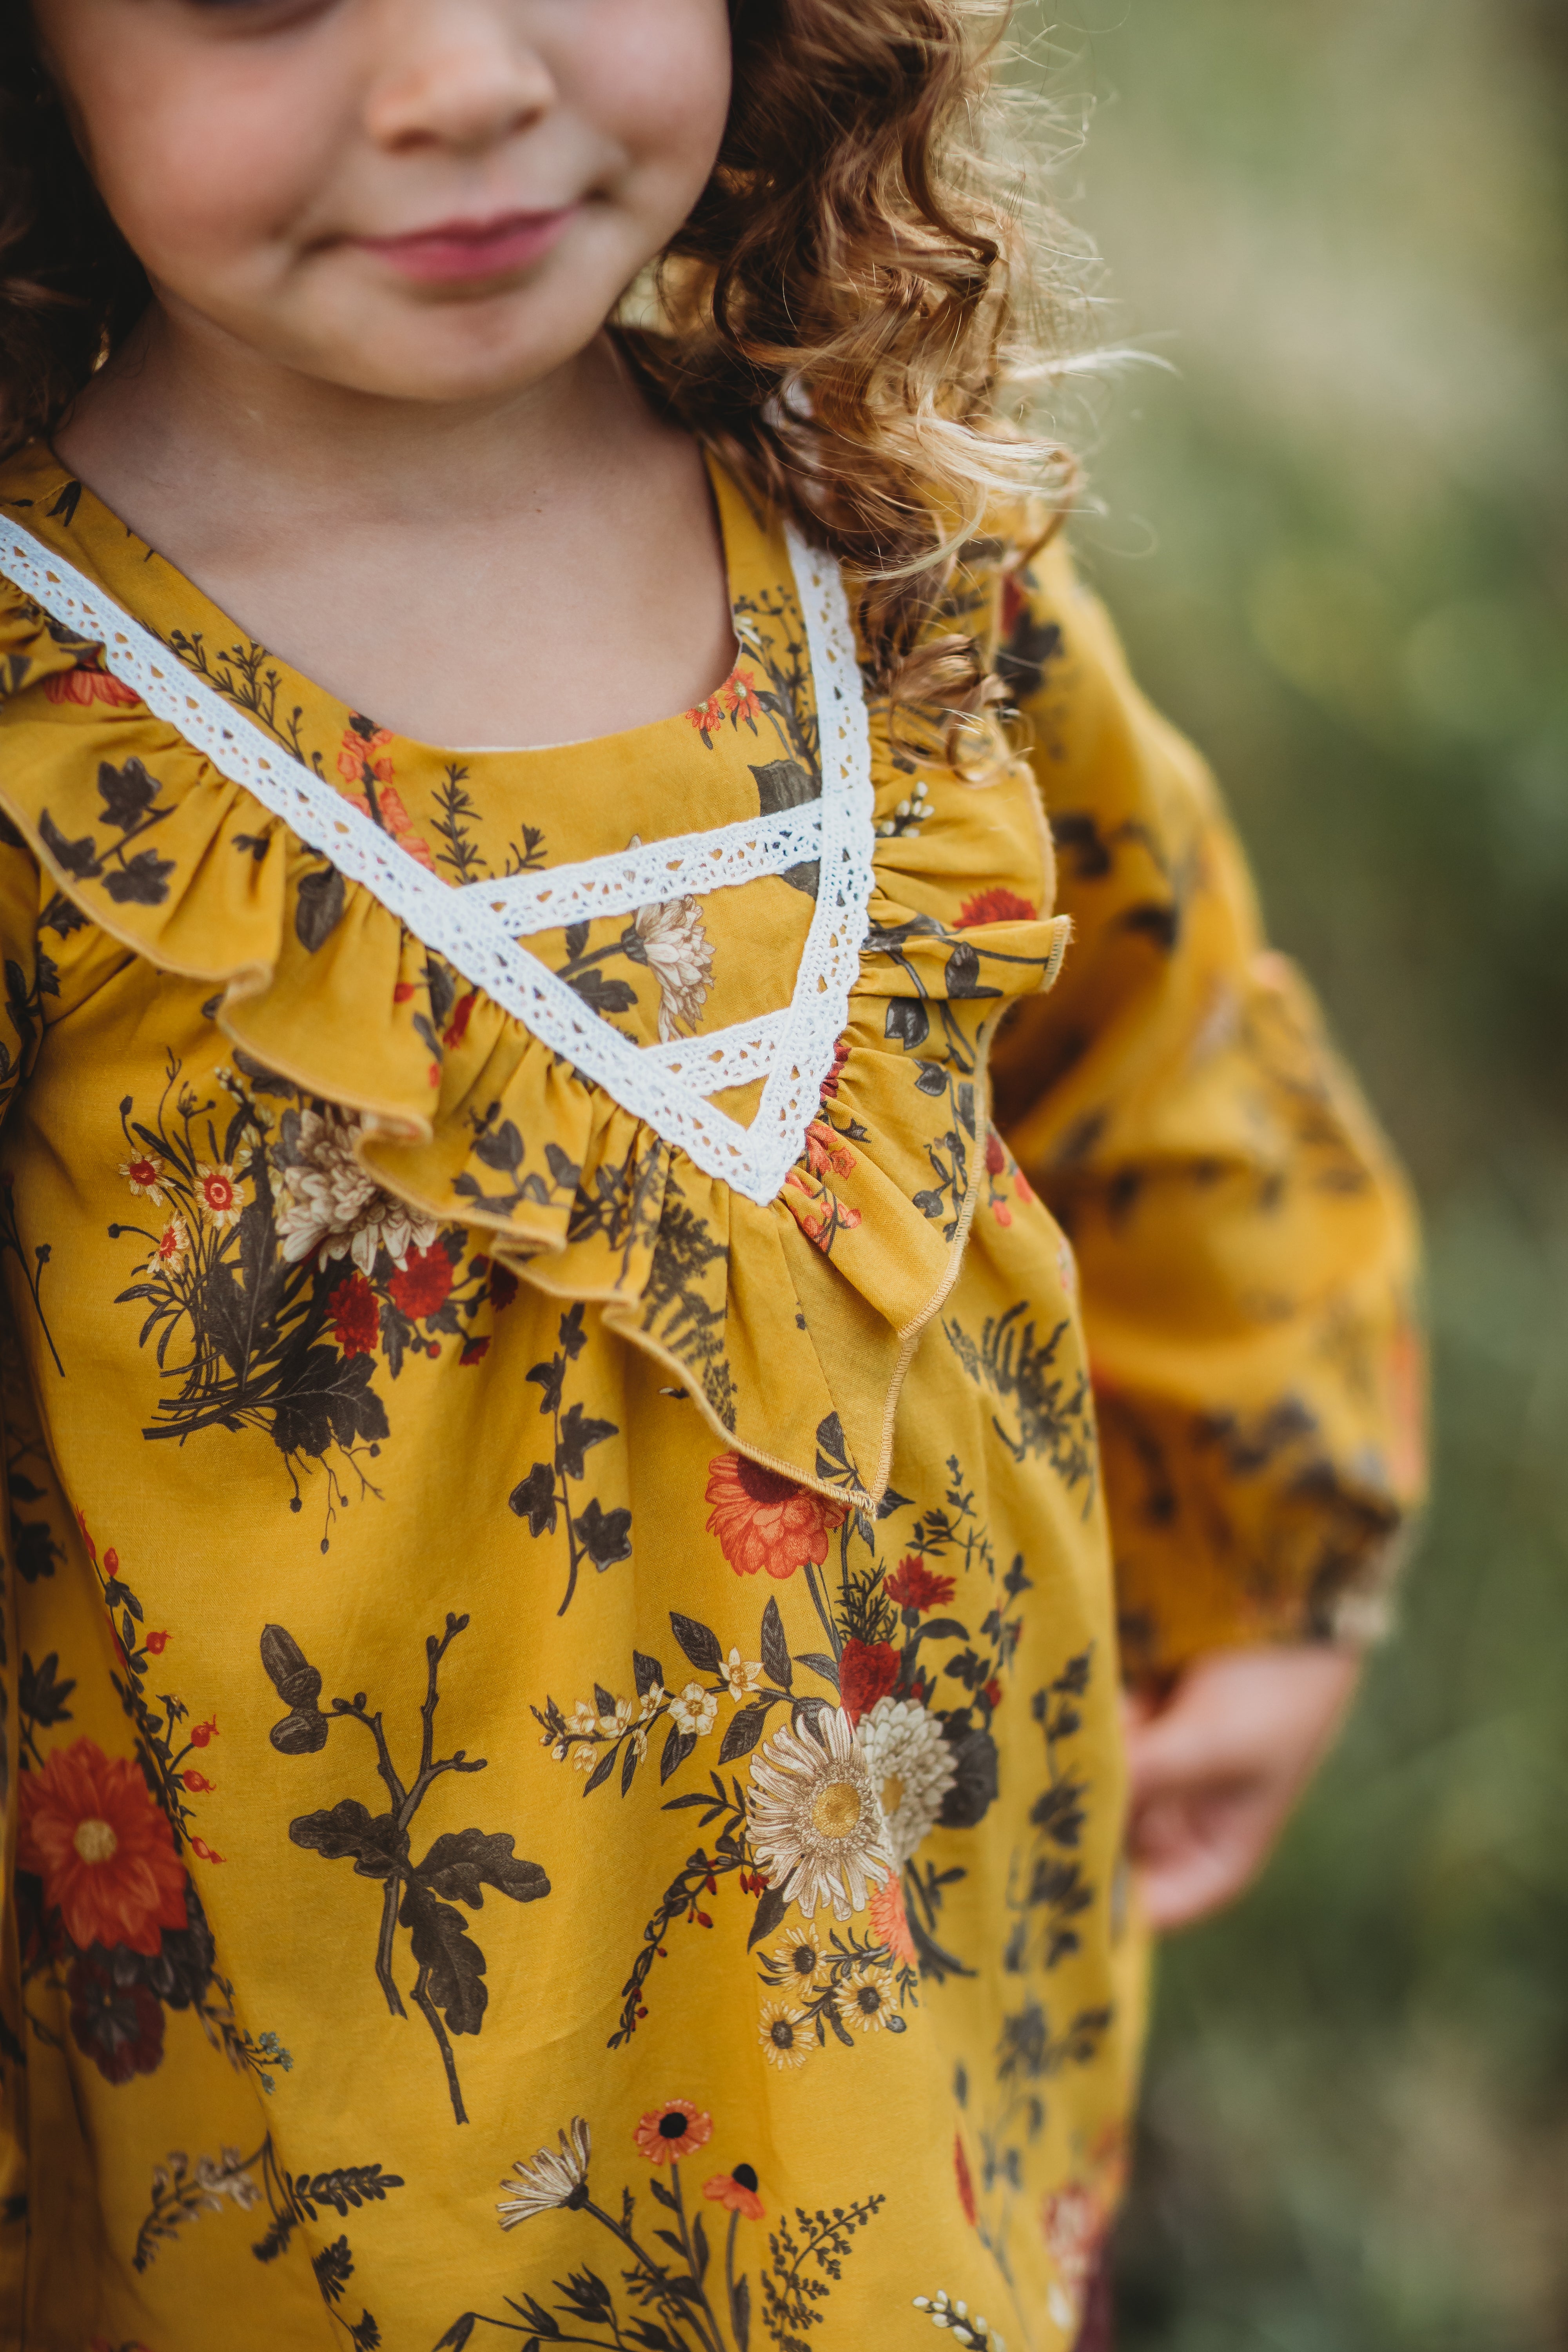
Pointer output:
x,y
765,1521
104,1852
155,1644
995,906
890,1921
393,817
677,2128
708,717
201,1733
824,1155
145,1177
219,1189
87,684
361,755
737,2193
740,699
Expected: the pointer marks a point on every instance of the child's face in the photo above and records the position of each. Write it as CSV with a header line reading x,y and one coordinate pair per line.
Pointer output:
x,y
424,199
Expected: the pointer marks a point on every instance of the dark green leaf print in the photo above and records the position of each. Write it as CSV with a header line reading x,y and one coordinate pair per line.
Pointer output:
x,y
319,906
449,1988
140,879
544,1497
181,2192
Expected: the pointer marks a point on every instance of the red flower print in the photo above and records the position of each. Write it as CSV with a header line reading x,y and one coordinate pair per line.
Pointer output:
x,y
219,1189
356,1317
475,1351
202,1732
203,1852
502,1287
995,1152
965,2181
993,1693
120,2027
1022,1186
173,1243
824,1155
457,1029
104,1852
913,1585
996,905
423,1284
403,992
890,1921
155,1644
144,1176
196,1782
765,1521
840,1055
86,1539
737,2193
86,684
677,2128
867,1672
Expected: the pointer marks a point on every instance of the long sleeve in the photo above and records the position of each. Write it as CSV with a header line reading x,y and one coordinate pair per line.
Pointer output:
x,y
1245,1243
27,976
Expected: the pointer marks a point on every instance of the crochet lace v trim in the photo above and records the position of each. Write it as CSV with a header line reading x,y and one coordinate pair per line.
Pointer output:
x,y
479,927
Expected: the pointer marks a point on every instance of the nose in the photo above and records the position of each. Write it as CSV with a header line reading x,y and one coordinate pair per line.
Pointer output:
x,y
456,74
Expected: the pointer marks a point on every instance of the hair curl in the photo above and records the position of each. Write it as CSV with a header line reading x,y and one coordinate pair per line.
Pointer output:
x,y
854,319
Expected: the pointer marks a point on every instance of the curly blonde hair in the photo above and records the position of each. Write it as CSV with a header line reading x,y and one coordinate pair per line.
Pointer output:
x,y
854,319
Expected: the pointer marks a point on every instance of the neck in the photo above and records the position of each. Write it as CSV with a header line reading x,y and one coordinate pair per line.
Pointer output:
x,y
184,415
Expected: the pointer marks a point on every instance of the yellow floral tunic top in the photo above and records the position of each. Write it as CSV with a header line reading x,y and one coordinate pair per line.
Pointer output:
x,y
560,1707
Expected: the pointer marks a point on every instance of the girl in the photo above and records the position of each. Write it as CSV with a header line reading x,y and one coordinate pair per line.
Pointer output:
x,y
561,1673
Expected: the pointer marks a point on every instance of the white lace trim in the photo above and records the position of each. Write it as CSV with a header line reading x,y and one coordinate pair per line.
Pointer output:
x,y
666,1087
722,1057
687,866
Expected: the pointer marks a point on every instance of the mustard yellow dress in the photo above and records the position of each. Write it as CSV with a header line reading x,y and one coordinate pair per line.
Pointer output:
x,y
560,1651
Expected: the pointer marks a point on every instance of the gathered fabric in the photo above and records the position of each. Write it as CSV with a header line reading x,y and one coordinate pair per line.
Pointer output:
x,y
602,1366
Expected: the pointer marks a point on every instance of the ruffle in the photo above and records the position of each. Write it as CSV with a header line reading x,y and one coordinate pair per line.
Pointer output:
x,y
790,1324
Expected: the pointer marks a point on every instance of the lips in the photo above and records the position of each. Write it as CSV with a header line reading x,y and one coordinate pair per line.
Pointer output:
x,y
459,251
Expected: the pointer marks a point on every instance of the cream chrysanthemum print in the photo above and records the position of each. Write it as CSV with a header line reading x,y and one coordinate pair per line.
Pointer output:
x,y
333,1205
676,950
555,2177
816,1821
912,1768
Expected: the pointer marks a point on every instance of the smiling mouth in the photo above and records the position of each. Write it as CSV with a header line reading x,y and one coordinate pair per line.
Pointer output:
x,y
459,251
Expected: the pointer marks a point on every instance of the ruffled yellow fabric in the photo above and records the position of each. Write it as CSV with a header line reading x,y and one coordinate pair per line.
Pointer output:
x,y
842,1271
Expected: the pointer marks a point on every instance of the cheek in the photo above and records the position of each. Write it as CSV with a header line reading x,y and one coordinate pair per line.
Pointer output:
x,y
200,172
656,76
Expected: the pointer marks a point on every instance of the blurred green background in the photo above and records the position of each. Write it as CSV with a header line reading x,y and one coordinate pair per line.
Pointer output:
x,y
1337,541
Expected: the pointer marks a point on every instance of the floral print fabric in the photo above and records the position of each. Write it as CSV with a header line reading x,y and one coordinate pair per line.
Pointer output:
x,y
560,1723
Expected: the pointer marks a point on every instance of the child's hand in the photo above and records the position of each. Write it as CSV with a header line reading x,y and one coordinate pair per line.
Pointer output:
x,y
1218,1764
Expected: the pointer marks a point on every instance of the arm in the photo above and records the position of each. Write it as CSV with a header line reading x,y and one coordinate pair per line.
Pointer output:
x,y
1247,1249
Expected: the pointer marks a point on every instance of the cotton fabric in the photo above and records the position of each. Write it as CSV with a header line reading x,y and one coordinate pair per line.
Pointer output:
x,y
561,1723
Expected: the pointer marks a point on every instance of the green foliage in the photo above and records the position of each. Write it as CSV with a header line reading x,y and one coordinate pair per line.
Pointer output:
x,y
1334,541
